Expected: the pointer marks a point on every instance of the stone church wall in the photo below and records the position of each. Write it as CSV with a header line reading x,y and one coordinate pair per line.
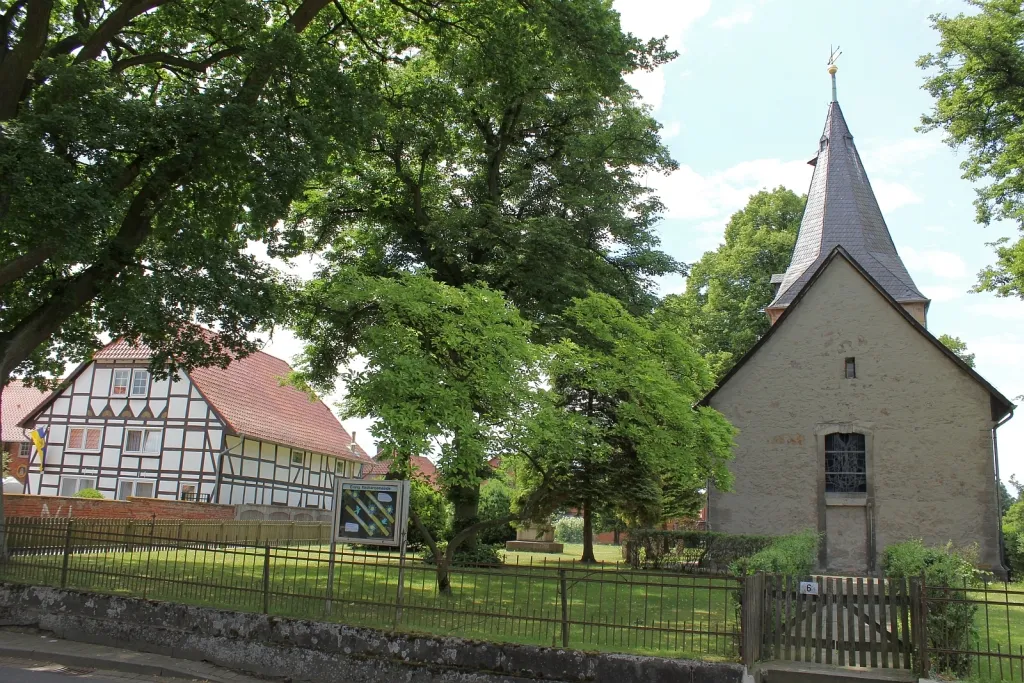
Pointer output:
x,y
927,423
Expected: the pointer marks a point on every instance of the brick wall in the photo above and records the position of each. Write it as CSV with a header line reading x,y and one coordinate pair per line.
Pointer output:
x,y
16,505
17,461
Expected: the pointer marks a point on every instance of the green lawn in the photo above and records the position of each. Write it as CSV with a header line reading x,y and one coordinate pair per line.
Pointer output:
x,y
608,608
571,552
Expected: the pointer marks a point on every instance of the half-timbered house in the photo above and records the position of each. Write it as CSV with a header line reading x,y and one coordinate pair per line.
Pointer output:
x,y
227,435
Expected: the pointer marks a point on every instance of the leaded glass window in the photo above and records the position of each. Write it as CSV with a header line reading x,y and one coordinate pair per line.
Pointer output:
x,y
845,463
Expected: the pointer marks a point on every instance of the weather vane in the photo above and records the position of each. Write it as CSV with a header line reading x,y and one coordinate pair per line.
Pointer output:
x,y
832,68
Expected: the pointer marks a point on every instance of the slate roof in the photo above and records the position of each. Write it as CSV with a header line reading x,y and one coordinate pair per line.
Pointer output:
x,y
842,211
249,397
1001,406
17,401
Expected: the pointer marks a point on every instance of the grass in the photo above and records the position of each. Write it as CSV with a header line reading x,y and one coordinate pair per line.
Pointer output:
x,y
571,552
607,607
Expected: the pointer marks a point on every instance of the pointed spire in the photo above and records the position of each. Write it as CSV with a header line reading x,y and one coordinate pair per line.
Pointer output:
x,y
842,211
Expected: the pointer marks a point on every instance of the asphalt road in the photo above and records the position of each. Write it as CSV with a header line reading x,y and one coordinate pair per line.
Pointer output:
x,y
25,671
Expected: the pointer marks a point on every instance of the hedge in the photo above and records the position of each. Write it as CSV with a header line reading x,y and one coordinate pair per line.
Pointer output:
x,y
690,550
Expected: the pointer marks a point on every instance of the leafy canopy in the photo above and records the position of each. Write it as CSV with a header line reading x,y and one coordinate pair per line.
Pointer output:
x,y
975,76
957,346
728,289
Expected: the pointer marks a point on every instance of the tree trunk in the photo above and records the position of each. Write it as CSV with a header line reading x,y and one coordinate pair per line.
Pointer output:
x,y
588,535
466,500
3,520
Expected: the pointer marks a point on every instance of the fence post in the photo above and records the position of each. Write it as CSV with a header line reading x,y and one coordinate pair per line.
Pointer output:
x,y
67,554
401,584
330,577
921,612
565,608
751,621
266,579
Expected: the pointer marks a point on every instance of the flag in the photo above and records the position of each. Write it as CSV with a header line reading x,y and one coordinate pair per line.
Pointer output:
x,y
38,437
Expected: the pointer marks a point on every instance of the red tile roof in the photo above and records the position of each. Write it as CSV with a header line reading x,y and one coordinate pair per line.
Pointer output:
x,y
421,466
249,396
17,401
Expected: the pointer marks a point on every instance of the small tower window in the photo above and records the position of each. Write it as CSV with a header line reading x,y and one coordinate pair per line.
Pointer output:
x,y
851,368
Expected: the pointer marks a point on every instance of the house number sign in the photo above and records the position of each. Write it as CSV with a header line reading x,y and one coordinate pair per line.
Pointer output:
x,y
809,587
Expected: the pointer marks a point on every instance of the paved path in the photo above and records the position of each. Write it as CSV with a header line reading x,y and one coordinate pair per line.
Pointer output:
x,y
60,661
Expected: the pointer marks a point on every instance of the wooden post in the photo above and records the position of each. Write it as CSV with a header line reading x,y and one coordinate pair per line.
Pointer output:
x,y
67,554
751,618
266,579
565,608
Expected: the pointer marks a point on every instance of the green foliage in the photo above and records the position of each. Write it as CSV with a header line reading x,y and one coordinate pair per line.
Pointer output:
x,y
957,346
974,77
793,555
569,530
690,550
617,432
5,460
948,575
478,554
495,504
89,493
1013,538
434,512
727,289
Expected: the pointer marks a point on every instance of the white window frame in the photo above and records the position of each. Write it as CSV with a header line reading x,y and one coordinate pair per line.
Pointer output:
x,y
301,456
85,439
127,382
136,373
25,449
134,488
78,484
340,466
144,430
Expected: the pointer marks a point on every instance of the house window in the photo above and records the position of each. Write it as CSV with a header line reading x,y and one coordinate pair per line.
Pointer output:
x,y
25,449
135,488
339,467
845,463
85,438
297,458
851,368
122,378
188,492
142,441
140,382
69,486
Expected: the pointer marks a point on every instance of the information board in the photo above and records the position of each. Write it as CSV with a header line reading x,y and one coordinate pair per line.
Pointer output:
x,y
371,512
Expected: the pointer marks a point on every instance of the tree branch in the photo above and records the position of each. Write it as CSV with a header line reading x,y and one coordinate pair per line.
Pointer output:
x,y
18,267
114,24
172,60
5,26
17,65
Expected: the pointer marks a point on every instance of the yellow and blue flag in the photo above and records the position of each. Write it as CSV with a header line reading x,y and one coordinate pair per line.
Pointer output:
x,y
38,437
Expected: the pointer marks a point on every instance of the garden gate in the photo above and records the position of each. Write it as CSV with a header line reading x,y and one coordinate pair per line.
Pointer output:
x,y
864,622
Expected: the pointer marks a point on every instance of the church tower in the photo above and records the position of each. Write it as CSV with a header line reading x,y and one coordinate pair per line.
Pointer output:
x,y
842,211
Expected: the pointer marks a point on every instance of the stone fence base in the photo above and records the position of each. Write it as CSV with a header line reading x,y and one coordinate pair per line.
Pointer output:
x,y
299,650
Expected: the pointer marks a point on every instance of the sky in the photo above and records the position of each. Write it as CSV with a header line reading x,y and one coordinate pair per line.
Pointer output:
x,y
743,107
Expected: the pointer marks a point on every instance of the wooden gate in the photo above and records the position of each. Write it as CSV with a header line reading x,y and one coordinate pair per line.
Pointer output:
x,y
864,622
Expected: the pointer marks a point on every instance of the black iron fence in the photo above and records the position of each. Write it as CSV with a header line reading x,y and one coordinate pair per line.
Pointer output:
x,y
606,608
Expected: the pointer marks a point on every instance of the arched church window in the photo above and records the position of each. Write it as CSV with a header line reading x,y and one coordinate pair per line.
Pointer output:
x,y
845,463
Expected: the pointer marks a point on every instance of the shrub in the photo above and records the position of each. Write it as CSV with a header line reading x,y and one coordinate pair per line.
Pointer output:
x,y
793,555
468,555
495,503
1013,538
89,493
434,511
569,530
689,550
948,575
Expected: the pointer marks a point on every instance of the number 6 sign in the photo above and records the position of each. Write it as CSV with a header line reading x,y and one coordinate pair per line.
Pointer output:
x,y
809,587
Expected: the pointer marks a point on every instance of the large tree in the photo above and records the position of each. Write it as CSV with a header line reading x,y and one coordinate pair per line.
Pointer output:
x,y
959,347
517,163
624,437
977,79
728,289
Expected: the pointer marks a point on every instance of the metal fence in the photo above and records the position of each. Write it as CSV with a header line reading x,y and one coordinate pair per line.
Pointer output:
x,y
27,534
614,609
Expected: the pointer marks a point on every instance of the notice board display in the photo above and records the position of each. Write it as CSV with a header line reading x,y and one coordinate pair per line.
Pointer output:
x,y
371,513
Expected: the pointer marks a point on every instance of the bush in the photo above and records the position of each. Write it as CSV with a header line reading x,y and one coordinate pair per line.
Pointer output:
x,y
495,503
1013,538
468,555
569,530
689,550
793,555
89,493
434,511
948,574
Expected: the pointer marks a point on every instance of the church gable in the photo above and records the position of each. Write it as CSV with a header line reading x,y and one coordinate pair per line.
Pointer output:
x,y
843,314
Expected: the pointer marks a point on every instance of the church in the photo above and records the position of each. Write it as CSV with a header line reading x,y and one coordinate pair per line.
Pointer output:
x,y
853,419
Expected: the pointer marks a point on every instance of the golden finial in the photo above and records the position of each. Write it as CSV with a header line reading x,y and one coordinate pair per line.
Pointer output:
x,y
832,69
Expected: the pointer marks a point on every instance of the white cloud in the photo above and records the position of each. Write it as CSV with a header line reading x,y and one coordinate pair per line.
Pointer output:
x,y
934,228
944,264
883,156
671,130
892,196
741,15
943,292
1001,309
653,19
